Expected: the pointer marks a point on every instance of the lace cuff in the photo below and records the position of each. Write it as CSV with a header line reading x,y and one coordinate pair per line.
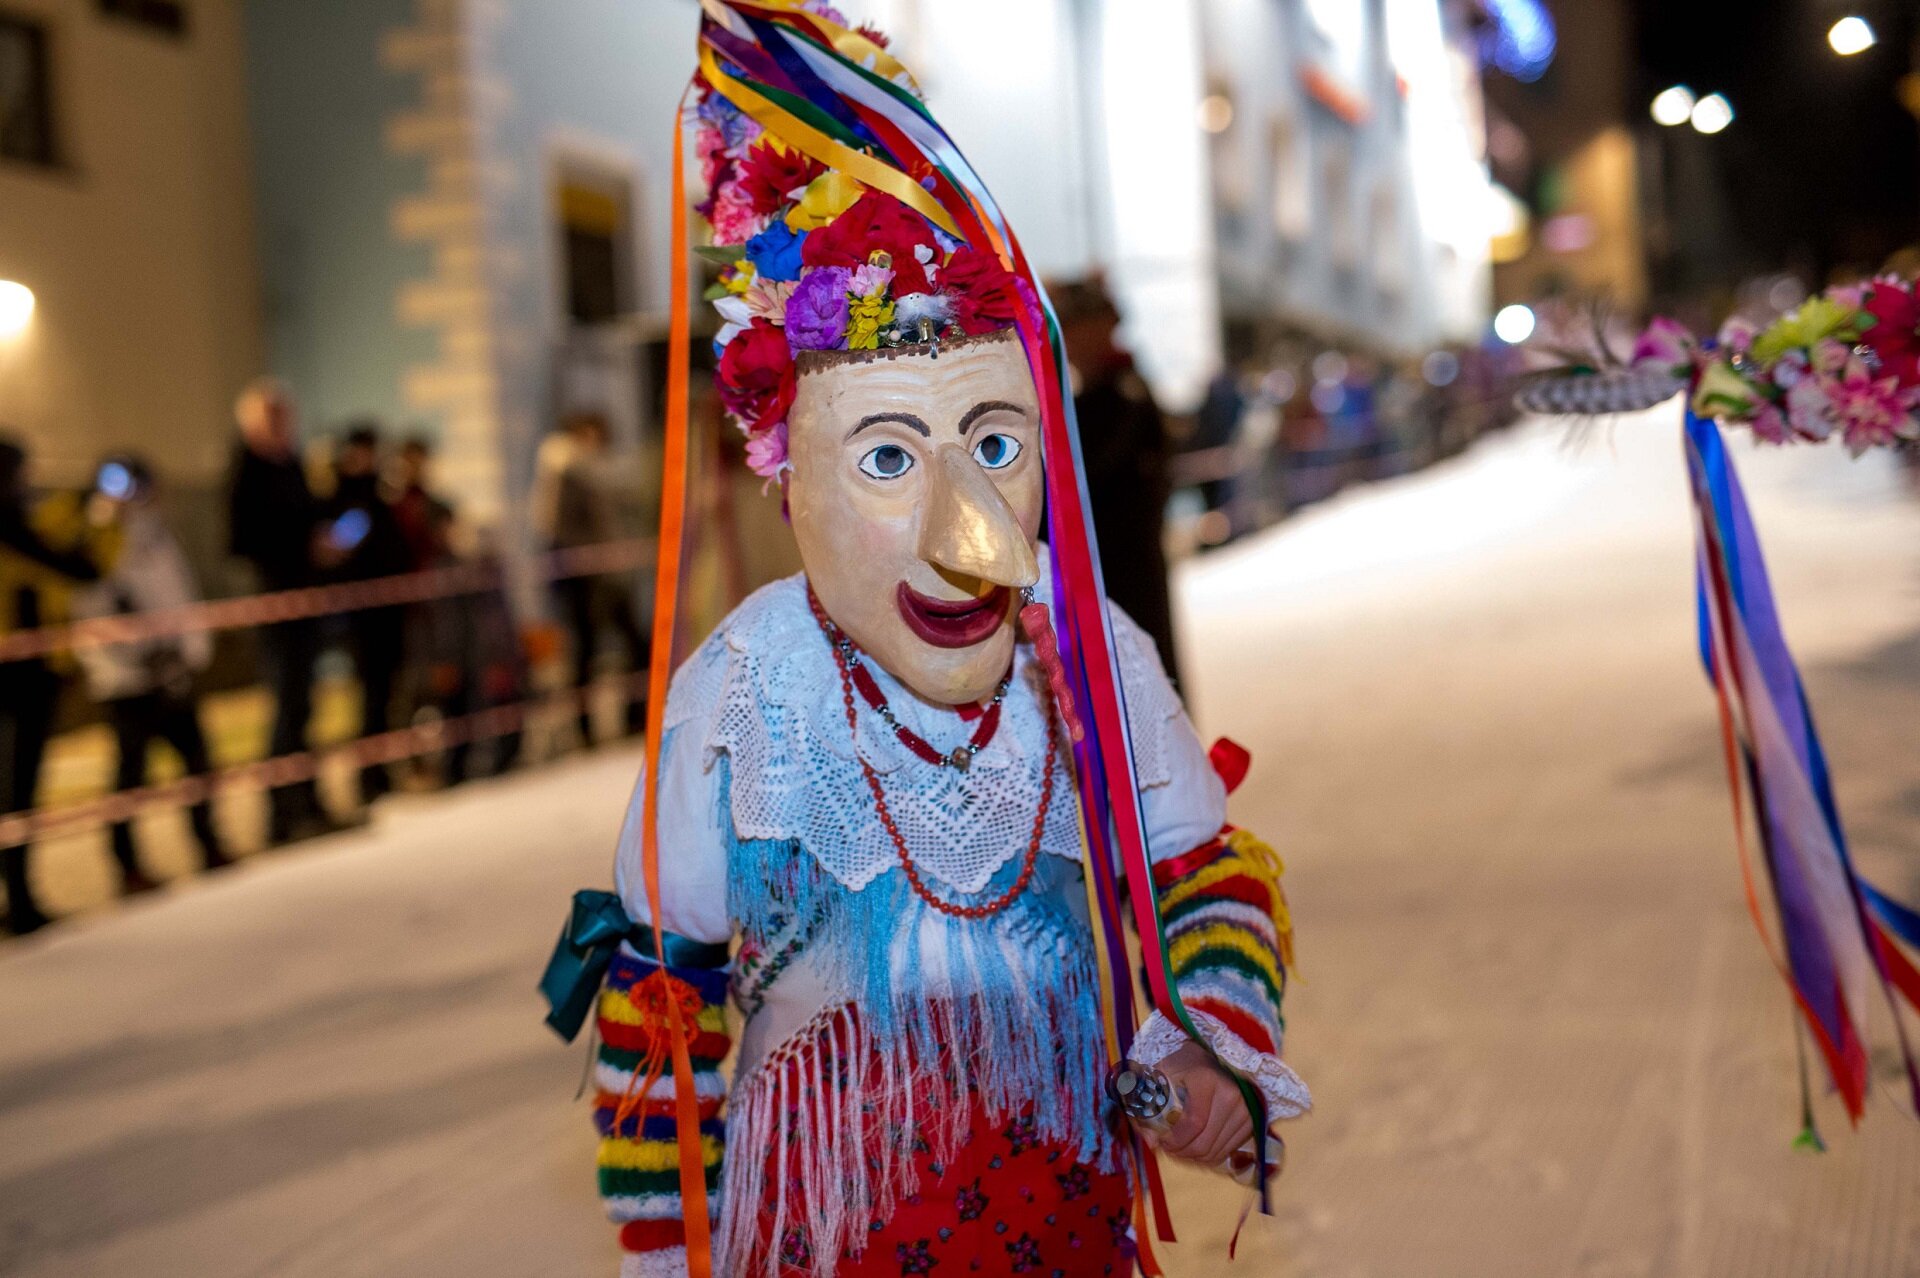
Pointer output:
x,y
1285,1092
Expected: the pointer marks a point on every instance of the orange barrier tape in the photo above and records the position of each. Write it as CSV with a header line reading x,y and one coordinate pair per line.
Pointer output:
x,y
247,611
286,769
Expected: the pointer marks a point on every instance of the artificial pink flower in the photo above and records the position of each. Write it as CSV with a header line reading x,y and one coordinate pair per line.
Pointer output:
x,y
1666,342
1872,411
767,451
1737,334
1810,407
1770,424
734,219
1831,356
767,299
1848,296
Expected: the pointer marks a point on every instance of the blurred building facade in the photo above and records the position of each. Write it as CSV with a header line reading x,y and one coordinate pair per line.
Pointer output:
x,y
1350,186
1570,144
125,207
453,215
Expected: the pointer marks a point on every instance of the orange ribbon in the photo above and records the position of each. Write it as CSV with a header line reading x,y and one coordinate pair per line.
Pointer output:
x,y
673,504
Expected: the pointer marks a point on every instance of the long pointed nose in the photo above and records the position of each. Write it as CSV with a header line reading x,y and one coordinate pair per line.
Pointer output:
x,y
967,526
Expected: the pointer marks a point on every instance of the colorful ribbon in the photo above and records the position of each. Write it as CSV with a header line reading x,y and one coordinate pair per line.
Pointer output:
x,y
836,97
1836,930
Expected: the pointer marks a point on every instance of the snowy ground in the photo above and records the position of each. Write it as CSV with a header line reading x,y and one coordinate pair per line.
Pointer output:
x,y
1542,1036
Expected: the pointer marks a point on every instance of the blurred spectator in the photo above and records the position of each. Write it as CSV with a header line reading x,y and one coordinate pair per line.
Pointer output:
x,y
1127,454
415,508
36,573
572,507
1216,429
274,523
146,686
468,657
364,530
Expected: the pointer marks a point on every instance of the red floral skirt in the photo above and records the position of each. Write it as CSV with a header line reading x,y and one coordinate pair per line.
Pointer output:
x,y
1005,1202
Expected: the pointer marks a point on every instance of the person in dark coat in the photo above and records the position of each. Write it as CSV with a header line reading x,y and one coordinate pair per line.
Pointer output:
x,y
274,523
1128,458
573,509
362,529
34,575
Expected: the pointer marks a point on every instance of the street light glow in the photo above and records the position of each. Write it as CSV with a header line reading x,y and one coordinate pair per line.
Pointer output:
x,y
1514,324
1673,106
1712,113
1216,112
1851,35
16,308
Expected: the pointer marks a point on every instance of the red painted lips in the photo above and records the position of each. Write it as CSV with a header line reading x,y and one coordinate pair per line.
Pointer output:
x,y
952,623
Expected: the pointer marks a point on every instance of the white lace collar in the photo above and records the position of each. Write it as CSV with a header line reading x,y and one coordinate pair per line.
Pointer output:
x,y
764,690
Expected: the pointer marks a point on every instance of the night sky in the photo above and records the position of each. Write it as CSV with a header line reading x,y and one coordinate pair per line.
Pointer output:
x,y
1820,171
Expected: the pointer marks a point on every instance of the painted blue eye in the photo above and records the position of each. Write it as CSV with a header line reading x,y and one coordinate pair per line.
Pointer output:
x,y
888,461
996,451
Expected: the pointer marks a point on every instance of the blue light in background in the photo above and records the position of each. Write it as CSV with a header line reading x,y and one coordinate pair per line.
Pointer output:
x,y
1522,41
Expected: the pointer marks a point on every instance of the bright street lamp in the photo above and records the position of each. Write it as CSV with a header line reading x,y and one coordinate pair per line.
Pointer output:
x,y
1712,113
1514,324
1851,35
16,308
1673,106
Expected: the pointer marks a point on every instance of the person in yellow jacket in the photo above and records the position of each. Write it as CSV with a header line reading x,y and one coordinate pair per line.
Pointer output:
x,y
43,556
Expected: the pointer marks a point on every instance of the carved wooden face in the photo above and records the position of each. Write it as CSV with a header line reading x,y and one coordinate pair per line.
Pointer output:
x,y
916,496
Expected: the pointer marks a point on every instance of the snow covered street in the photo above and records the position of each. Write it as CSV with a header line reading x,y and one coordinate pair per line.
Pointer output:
x,y
1542,1035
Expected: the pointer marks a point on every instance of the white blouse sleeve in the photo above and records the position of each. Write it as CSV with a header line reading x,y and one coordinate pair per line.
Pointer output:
x,y
1182,797
693,845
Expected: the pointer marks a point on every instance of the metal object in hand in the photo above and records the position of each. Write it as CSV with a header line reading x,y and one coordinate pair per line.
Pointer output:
x,y
1154,1103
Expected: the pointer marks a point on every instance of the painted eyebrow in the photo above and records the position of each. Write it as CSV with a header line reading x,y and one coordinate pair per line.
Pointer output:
x,y
905,419
978,411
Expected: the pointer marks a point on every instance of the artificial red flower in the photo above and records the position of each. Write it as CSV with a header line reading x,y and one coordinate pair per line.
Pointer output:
x,y
982,290
756,377
1895,335
876,222
770,175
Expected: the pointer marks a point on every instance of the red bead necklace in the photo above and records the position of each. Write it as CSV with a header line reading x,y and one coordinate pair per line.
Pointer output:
x,y
850,672
960,758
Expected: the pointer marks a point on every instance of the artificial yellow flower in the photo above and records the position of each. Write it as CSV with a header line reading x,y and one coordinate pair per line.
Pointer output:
x,y
1818,317
741,278
1722,393
826,197
866,317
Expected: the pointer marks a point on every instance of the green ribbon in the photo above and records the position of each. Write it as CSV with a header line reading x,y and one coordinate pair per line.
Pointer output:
x,y
585,951
579,964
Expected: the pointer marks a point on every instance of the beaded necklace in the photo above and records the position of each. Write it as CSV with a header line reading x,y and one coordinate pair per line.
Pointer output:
x,y
851,671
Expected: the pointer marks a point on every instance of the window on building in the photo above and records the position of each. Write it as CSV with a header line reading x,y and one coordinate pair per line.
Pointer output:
x,y
26,94
1292,179
595,218
167,16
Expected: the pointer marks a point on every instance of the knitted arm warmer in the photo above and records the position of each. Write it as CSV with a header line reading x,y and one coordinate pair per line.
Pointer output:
x,y
634,1109
1229,936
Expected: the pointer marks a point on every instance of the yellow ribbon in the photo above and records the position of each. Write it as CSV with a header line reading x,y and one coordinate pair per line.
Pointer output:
x,y
858,165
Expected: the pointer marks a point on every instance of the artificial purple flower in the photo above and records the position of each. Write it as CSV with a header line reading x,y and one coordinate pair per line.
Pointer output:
x,y
817,311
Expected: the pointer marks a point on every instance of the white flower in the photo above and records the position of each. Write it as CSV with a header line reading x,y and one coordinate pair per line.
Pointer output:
x,y
737,312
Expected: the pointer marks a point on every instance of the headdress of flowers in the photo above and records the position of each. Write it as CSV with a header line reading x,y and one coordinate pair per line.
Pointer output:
x,y
814,261
1844,363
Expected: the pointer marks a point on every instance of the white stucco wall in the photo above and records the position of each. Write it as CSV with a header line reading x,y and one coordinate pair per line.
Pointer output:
x,y
139,249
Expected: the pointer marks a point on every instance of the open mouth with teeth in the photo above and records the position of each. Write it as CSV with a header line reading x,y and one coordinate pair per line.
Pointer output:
x,y
952,623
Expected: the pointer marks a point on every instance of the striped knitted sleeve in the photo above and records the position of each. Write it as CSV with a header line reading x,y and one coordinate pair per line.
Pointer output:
x,y
1229,936
634,1108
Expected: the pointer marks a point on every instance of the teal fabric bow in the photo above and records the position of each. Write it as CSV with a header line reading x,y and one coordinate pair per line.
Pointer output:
x,y
585,951
579,964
